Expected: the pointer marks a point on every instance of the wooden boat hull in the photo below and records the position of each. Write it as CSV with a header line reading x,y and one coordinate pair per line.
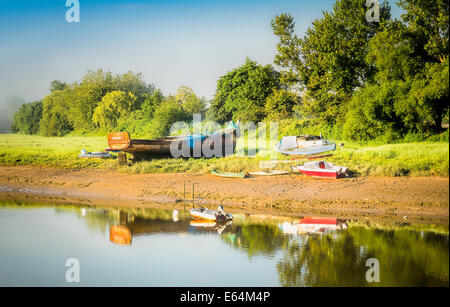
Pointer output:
x,y
147,149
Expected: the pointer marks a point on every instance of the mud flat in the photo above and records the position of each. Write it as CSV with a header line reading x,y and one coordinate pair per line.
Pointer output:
x,y
401,198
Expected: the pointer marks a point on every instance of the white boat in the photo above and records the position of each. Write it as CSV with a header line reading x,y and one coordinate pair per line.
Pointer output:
x,y
304,145
209,215
322,169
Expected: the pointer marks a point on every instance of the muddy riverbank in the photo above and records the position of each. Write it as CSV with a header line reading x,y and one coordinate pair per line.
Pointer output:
x,y
424,199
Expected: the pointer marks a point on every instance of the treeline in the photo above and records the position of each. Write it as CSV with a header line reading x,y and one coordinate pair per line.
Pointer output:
x,y
346,77
102,102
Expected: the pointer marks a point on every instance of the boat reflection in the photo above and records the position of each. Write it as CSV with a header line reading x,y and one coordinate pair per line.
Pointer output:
x,y
313,225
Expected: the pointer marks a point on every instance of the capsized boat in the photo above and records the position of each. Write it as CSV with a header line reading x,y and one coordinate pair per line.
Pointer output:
x,y
304,145
228,174
322,169
209,215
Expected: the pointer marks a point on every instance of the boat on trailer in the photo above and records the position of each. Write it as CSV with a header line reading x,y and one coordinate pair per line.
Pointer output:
x,y
322,169
304,145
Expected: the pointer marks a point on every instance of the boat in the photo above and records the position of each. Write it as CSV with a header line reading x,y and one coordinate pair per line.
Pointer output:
x,y
322,169
193,145
269,173
304,145
209,215
95,154
228,174
317,225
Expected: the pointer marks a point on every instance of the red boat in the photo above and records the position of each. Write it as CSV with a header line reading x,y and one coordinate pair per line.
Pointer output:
x,y
317,225
322,169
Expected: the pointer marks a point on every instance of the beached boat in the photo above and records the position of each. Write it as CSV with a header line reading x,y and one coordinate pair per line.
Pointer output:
x,y
209,215
194,145
95,154
322,169
304,145
228,174
269,173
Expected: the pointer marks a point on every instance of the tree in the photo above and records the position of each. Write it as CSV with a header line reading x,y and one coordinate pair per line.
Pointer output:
x,y
166,114
412,55
190,103
329,61
27,119
428,21
113,106
55,120
56,85
242,93
280,104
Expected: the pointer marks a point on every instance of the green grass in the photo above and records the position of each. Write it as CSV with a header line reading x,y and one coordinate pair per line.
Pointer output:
x,y
404,159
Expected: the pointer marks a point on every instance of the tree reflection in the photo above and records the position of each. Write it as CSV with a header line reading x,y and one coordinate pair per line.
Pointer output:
x,y
407,258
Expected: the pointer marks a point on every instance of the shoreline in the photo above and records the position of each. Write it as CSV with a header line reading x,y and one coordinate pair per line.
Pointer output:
x,y
421,199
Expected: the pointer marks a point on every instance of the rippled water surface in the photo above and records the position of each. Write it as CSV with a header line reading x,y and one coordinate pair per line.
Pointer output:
x,y
149,247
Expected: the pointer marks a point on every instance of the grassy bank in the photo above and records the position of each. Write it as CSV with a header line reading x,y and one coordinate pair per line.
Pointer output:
x,y
403,159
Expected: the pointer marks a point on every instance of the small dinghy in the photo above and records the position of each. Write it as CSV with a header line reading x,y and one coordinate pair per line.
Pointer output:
x,y
269,173
304,145
95,154
322,169
210,215
228,174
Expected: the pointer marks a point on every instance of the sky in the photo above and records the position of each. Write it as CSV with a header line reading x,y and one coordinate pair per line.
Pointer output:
x,y
172,43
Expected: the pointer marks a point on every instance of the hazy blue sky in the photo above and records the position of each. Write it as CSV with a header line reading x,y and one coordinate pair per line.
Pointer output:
x,y
173,43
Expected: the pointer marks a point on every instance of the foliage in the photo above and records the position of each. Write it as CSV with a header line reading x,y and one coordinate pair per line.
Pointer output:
x,y
167,113
280,104
113,106
242,93
329,61
190,103
27,119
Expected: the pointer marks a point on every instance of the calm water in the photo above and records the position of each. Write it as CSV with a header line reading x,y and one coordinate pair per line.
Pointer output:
x,y
152,248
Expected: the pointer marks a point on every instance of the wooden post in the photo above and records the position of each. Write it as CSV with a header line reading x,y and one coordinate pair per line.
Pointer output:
x,y
122,158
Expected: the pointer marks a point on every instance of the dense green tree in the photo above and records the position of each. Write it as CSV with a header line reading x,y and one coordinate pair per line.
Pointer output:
x,y
329,61
28,118
242,93
55,119
166,114
114,105
190,103
56,85
280,104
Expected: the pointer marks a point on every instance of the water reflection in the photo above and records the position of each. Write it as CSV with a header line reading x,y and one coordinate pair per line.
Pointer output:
x,y
303,252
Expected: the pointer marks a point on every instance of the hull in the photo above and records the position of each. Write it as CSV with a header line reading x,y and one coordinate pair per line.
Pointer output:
x,y
322,170
209,215
227,174
187,146
307,151
271,173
